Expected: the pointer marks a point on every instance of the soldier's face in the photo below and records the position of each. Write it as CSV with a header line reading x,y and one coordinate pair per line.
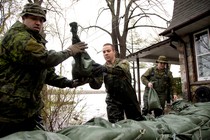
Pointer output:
x,y
33,22
161,65
109,53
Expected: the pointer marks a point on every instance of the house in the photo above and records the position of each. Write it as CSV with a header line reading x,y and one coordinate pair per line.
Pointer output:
x,y
188,45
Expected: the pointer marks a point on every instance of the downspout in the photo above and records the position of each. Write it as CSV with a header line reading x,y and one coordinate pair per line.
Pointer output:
x,y
186,65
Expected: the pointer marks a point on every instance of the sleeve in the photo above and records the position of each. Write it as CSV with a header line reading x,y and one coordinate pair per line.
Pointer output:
x,y
145,77
120,69
53,79
33,54
96,82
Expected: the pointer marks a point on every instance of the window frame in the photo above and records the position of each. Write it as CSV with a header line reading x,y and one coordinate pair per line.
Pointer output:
x,y
202,54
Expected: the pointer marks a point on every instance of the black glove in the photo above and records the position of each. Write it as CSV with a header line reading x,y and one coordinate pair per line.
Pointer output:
x,y
98,69
79,82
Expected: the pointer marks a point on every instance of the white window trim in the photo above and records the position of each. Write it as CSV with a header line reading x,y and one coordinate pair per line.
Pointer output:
x,y
200,78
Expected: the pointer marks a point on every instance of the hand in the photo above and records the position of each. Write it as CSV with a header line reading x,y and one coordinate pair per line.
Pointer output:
x,y
98,69
150,85
175,97
77,48
80,82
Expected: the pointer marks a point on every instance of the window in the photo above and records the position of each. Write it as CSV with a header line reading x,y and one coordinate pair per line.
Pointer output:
x,y
202,53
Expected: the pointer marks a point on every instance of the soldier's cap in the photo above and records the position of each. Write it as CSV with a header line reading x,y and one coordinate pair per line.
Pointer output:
x,y
162,59
34,9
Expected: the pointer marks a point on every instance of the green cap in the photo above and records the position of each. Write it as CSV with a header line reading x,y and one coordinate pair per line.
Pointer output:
x,y
162,59
34,9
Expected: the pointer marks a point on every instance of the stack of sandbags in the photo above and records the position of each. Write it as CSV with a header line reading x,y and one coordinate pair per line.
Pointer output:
x,y
186,121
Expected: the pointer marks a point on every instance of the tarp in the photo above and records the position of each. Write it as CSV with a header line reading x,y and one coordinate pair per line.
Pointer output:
x,y
186,121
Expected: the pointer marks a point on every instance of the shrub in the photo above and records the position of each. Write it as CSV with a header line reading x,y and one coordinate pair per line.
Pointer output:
x,y
60,108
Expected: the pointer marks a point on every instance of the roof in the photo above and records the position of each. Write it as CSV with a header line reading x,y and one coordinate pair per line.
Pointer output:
x,y
151,53
188,16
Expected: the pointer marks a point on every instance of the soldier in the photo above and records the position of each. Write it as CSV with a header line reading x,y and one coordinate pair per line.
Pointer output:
x,y
25,66
121,97
161,79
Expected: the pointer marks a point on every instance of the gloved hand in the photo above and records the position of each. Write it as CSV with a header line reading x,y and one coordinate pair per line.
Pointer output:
x,y
77,48
79,82
98,69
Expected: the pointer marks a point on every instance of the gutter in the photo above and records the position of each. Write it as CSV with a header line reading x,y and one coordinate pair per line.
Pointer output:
x,y
190,21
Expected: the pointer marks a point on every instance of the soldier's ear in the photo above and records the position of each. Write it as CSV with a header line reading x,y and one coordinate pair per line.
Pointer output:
x,y
24,17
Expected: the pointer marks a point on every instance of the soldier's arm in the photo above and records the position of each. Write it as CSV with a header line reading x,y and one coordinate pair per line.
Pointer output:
x,y
145,77
58,81
26,51
120,69
36,54
96,82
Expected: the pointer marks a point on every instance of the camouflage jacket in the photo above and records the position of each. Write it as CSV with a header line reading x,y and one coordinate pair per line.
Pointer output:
x,y
117,76
162,80
25,66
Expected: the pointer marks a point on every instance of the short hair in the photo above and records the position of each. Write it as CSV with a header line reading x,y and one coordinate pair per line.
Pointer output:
x,y
106,44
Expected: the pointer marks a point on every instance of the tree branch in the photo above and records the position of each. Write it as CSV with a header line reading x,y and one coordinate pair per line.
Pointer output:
x,y
95,26
150,14
151,26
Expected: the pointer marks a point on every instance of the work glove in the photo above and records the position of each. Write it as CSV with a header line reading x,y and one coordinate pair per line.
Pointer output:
x,y
79,82
77,48
98,69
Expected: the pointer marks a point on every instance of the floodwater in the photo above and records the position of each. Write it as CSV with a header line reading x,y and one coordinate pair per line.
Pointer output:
x,y
95,105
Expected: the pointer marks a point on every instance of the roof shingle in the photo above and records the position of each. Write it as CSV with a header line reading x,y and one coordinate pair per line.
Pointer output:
x,y
186,10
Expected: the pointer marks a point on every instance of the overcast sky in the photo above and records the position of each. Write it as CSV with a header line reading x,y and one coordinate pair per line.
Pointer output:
x,y
85,13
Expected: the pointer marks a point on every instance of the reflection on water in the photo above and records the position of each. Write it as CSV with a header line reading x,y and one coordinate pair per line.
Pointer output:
x,y
95,105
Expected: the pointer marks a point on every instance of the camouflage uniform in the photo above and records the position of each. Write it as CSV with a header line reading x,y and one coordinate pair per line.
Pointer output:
x,y
121,96
163,84
25,66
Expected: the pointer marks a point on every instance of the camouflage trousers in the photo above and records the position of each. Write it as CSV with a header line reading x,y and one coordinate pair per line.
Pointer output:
x,y
117,109
30,124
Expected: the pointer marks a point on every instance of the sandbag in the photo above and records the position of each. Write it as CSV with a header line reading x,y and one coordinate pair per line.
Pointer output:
x,y
189,122
82,66
101,129
36,135
153,100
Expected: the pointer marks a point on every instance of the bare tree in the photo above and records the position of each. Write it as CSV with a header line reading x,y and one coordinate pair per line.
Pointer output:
x,y
122,12
60,108
61,34
8,10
